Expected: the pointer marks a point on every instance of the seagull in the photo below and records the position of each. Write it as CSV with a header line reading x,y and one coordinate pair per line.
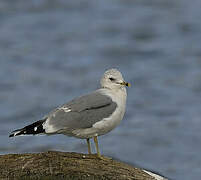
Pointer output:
x,y
87,116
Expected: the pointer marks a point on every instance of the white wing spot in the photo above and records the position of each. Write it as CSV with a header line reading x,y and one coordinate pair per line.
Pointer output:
x,y
35,129
66,109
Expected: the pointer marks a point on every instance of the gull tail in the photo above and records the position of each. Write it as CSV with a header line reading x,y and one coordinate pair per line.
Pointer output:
x,y
32,129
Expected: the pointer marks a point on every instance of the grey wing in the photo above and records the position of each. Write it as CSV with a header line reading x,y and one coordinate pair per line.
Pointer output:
x,y
82,112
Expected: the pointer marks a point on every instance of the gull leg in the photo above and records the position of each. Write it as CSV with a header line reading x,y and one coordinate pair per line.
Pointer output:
x,y
97,149
89,147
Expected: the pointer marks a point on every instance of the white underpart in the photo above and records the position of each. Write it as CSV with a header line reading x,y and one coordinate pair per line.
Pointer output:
x,y
35,129
111,122
156,176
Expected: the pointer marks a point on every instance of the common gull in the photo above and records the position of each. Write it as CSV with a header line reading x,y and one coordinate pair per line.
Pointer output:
x,y
87,116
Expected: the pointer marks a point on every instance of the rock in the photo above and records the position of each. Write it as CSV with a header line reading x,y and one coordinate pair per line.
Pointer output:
x,y
64,165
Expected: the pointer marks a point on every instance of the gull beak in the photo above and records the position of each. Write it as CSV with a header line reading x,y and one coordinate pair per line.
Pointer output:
x,y
125,84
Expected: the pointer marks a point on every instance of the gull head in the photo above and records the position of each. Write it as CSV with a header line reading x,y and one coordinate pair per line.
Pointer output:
x,y
112,79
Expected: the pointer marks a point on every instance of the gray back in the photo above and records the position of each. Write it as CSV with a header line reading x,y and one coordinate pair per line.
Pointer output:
x,y
84,112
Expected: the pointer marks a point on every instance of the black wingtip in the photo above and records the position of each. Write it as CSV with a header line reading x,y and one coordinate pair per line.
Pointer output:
x,y
11,135
32,129
15,133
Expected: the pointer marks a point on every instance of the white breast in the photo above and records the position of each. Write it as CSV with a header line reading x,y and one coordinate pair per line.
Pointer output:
x,y
107,124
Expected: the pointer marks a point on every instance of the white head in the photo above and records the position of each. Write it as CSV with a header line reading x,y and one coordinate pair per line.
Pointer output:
x,y
112,79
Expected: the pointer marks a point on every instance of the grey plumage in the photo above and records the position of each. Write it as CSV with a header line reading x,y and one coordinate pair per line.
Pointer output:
x,y
83,112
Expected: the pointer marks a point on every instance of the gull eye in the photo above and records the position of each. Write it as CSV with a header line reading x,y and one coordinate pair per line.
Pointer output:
x,y
111,79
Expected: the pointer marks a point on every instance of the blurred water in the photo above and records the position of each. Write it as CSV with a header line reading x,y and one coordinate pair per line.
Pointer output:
x,y
52,51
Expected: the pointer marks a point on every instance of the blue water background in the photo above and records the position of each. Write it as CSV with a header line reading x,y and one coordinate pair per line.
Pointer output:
x,y
52,51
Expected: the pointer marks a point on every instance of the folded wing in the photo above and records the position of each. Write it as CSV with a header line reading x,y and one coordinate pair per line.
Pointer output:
x,y
82,112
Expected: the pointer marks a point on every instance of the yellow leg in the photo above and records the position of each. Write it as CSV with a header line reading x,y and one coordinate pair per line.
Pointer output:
x,y
89,147
97,149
